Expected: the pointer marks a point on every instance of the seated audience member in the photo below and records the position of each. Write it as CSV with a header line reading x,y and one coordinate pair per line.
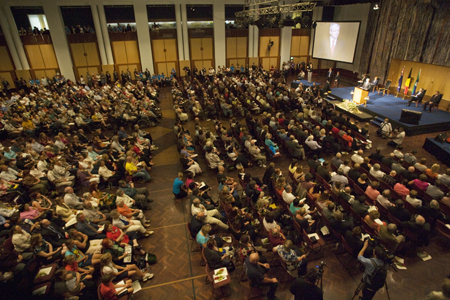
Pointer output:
x,y
111,291
372,191
389,237
360,207
89,228
399,211
373,220
215,258
256,274
305,287
290,257
412,199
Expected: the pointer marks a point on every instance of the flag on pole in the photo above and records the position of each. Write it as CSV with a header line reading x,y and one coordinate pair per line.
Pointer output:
x,y
408,83
415,84
400,81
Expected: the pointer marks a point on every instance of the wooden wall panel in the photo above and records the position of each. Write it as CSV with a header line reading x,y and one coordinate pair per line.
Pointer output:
x,y
242,45
171,49
50,73
132,52
275,50
82,72
304,46
5,61
8,77
231,47
263,46
253,61
206,64
109,68
265,63
39,74
120,53
161,67
25,74
49,57
170,66
79,60
34,57
241,61
432,78
263,42
182,64
295,46
158,50
207,45
196,45
92,54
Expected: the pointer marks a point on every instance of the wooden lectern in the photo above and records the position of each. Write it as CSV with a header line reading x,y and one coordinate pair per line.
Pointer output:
x,y
359,96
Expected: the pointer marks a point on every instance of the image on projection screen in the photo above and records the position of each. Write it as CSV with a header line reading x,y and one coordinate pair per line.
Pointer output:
x,y
336,41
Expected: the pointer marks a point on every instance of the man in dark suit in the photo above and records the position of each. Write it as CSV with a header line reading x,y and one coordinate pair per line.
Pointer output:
x,y
53,234
329,75
360,207
337,79
323,171
314,163
295,149
332,47
417,97
399,211
433,102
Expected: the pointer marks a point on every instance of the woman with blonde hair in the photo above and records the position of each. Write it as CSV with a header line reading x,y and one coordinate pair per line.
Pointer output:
x,y
203,235
433,171
108,267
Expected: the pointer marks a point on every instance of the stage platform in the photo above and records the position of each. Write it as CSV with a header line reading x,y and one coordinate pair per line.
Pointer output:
x,y
440,150
296,83
389,106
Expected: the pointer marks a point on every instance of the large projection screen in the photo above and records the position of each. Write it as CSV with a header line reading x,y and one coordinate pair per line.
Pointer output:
x,y
336,41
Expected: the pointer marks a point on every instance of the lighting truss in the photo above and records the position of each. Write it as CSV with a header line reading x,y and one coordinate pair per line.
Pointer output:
x,y
288,8
257,2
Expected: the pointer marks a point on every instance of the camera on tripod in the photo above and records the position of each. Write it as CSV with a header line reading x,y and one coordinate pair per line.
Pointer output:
x,y
388,257
320,268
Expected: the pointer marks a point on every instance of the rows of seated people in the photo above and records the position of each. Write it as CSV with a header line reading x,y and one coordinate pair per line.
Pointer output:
x,y
355,195
67,181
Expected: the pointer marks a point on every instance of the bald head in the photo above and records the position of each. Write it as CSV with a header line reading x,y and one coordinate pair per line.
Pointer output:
x,y
420,220
254,258
200,215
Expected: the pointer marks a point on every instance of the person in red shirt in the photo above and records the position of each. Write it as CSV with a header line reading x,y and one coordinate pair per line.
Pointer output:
x,y
72,265
111,291
117,235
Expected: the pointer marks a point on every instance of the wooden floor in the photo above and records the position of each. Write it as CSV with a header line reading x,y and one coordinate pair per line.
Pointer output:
x,y
178,274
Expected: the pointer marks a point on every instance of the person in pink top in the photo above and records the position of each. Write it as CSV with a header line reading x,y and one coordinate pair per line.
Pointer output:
x,y
421,182
372,191
401,189
27,212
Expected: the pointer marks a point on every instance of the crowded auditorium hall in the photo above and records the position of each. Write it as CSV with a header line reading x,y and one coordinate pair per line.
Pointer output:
x,y
213,149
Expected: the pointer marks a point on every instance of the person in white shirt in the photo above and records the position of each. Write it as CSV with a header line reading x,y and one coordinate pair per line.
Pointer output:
x,y
386,129
412,199
287,195
358,158
445,178
375,172
346,166
398,140
104,171
383,199
211,216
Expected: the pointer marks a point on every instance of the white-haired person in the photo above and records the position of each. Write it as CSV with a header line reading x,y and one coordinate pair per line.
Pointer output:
x,y
313,145
127,225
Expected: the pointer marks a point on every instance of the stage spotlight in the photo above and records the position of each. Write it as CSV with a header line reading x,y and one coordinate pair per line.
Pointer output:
x,y
376,7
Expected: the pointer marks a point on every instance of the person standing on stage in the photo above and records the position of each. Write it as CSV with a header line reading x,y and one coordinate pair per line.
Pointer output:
x,y
309,69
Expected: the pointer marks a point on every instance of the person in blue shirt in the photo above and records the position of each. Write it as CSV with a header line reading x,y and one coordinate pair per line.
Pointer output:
x,y
174,72
371,265
242,69
31,82
178,189
232,68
